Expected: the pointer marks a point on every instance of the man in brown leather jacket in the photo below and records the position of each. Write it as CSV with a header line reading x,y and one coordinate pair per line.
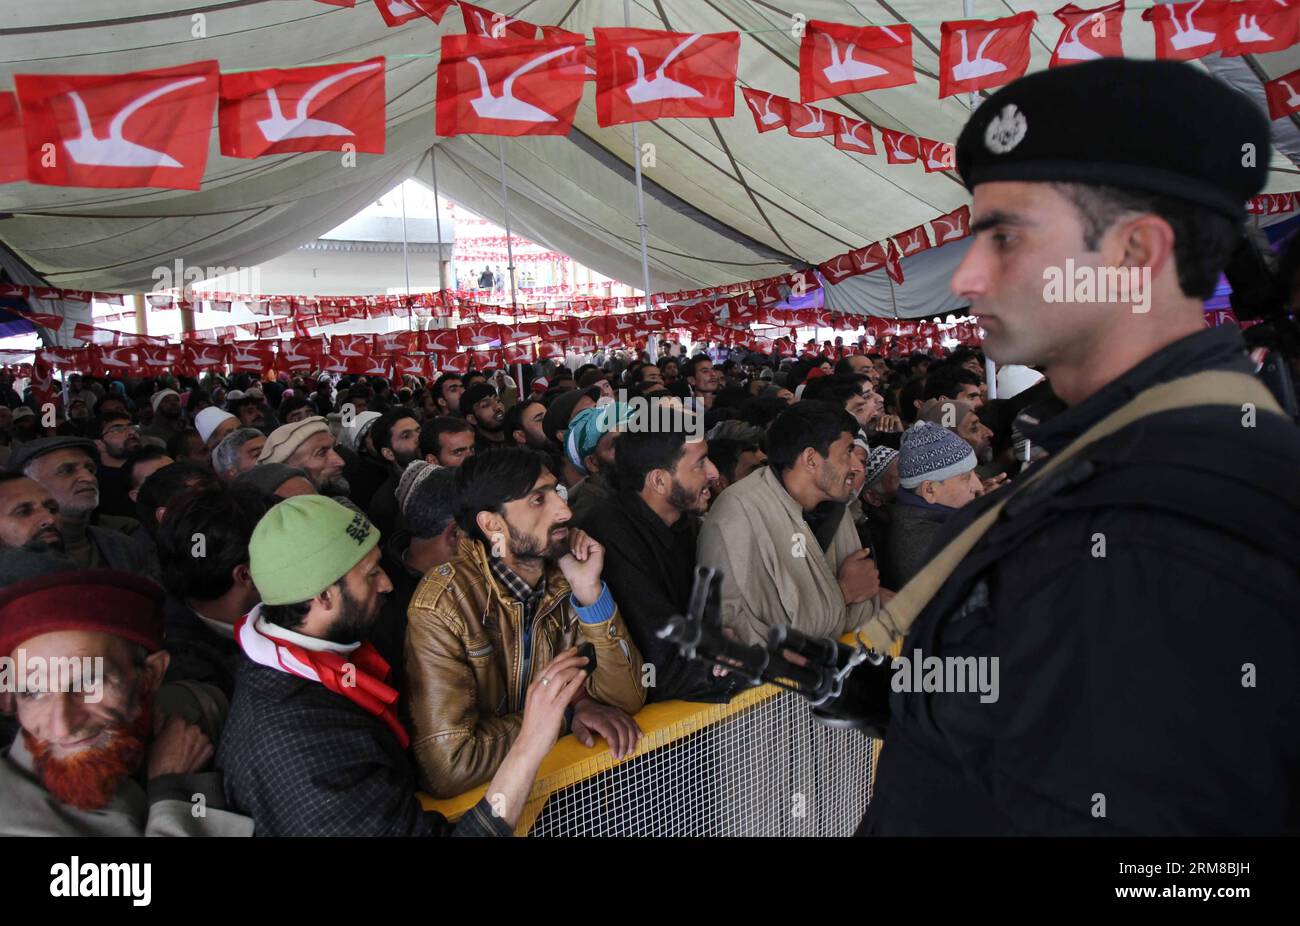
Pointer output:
x,y
526,588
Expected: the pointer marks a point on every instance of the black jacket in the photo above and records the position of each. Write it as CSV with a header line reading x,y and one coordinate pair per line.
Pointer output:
x,y
1142,607
649,568
304,761
197,652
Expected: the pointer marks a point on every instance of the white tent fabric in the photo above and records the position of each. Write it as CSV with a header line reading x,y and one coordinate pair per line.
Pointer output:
x,y
724,203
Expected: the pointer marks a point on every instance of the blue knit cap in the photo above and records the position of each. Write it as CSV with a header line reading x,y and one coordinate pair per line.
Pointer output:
x,y
930,452
588,427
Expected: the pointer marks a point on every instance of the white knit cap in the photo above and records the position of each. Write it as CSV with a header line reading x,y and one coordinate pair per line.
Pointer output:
x,y
1014,379
210,419
157,397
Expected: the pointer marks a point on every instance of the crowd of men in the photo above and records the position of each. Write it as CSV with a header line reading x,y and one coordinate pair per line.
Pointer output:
x,y
315,597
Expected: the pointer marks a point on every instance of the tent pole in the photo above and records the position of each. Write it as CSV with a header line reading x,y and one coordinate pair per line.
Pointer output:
x,y
640,195
406,261
990,369
505,208
437,214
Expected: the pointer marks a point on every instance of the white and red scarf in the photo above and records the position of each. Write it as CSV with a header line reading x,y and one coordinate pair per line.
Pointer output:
x,y
356,671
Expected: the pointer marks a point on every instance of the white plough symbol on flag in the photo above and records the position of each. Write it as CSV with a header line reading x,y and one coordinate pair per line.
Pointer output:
x,y
278,127
849,68
660,87
980,66
507,105
116,151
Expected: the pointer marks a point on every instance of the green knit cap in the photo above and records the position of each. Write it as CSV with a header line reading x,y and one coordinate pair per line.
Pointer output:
x,y
304,545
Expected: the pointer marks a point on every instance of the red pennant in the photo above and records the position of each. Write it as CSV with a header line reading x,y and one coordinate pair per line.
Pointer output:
x,y
396,12
157,359
586,55
508,86
441,341
43,388
838,269
455,363
13,164
113,361
835,59
647,74
298,354
277,111
975,54
488,25
770,111
143,129
937,155
912,241
252,357
1188,30
477,335
893,264
951,226
900,148
205,357
558,329
854,135
1088,34
809,121
346,346
1257,26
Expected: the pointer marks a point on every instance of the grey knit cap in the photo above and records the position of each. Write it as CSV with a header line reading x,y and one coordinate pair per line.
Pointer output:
x,y
415,473
931,452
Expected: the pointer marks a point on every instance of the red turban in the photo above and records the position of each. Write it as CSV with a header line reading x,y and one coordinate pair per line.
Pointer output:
x,y
122,604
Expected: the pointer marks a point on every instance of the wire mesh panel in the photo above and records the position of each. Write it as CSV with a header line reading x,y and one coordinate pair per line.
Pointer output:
x,y
760,767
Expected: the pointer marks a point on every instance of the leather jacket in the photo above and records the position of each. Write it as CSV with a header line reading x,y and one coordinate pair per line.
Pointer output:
x,y
465,662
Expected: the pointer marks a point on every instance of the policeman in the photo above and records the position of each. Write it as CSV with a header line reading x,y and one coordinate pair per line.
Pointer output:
x,y
1125,616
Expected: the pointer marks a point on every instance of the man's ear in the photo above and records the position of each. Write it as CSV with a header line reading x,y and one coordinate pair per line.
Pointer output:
x,y
159,513
155,667
659,481
103,448
489,523
242,575
388,455
451,534
518,436
1147,241
133,494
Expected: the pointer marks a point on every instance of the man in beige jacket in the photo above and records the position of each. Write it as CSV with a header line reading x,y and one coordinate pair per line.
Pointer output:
x,y
782,536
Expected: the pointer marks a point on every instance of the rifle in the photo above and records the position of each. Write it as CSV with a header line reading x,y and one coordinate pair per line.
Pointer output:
x,y
848,686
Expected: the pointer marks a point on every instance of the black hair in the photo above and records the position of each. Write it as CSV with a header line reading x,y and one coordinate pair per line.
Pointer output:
x,y
1203,238
515,416
290,405
488,481
803,425
164,485
433,429
912,390
95,427
288,616
473,395
761,410
838,389
725,453
693,364
946,380
442,381
222,520
136,457
640,450
177,441
431,505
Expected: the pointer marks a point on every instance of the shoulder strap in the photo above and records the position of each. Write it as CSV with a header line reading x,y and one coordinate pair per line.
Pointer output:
x,y
1210,388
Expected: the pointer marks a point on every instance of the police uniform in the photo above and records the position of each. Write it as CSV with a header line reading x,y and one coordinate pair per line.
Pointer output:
x,y
1143,605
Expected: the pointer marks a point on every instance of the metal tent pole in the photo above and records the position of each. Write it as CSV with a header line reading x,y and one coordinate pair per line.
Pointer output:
x,y
640,195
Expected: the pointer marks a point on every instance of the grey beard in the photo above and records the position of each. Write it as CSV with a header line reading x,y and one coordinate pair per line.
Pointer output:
x,y
40,546
339,486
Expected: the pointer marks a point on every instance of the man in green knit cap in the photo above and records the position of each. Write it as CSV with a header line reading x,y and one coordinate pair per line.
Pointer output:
x,y
313,744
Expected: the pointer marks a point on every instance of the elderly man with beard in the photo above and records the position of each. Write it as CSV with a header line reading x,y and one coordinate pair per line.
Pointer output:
x,y
308,445
66,467
648,528
117,438
29,516
396,439
482,627
115,754
314,745
783,538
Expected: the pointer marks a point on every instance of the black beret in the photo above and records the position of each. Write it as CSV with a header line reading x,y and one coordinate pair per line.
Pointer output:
x,y
41,446
560,411
1161,127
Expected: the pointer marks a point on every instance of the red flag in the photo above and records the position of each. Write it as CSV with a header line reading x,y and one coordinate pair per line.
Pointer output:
x,y
477,335
809,121
157,359
1256,26
912,241
488,25
508,86
1188,30
113,361
303,109
301,353
519,353
396,12
770,111
951,226
455,363
251,357
350,345
557,329
893,264
937,155
550,349
13,163
900,148
593,327
144,129
205,357
854,135
45,320
835,59
43,389
975,54
647,74
1088,34
441,341
838,269
587,55
406,365
391,341
1283,94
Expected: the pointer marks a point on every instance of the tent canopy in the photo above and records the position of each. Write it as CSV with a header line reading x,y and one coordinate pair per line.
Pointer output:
x,y
723,203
